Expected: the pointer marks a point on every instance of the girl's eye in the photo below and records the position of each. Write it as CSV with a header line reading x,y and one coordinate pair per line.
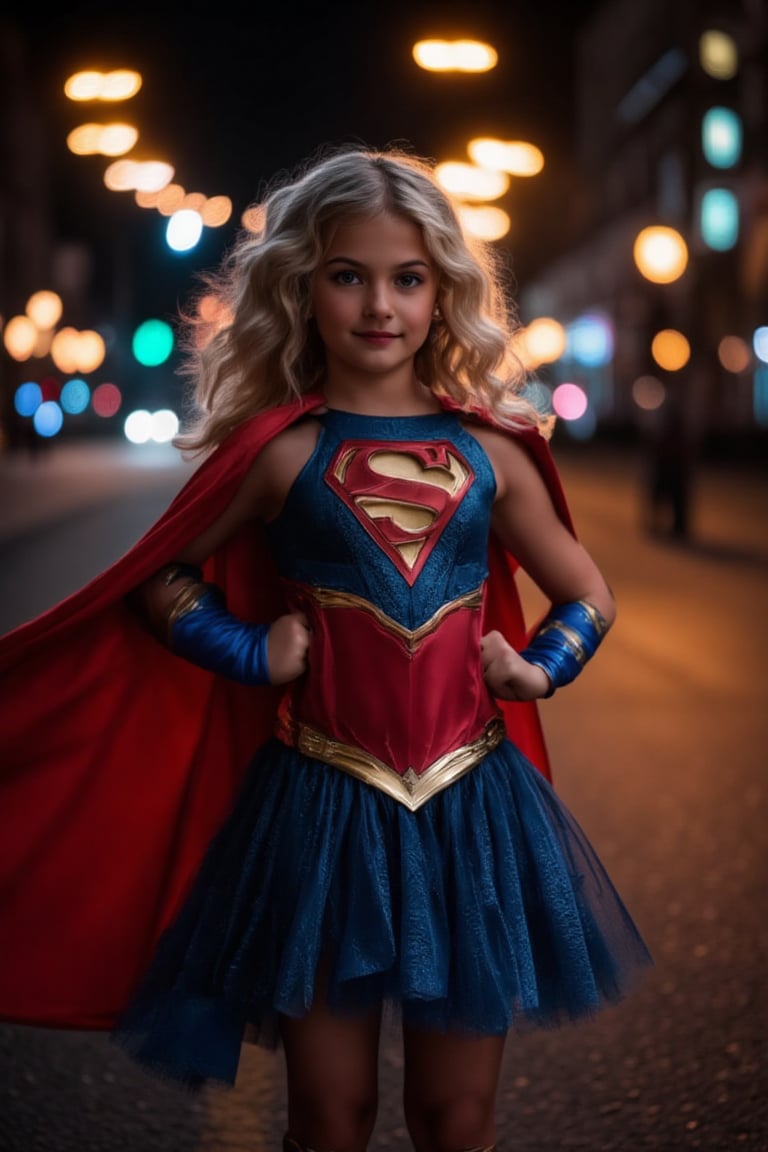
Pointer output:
x,y
409,280
346,276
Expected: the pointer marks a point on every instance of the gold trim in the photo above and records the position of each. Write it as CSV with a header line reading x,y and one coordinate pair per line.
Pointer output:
x,y
186,601
409,789
599,622
332,598
571,638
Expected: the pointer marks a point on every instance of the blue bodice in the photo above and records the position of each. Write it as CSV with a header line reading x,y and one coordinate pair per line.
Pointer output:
x,y
394,510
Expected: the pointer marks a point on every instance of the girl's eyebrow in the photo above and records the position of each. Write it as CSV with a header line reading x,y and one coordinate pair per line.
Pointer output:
x,y
360,264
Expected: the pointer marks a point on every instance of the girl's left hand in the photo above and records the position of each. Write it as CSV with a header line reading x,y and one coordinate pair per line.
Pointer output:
x,y
507,674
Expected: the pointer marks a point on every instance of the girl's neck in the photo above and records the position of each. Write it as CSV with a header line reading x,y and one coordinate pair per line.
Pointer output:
x,y
380,398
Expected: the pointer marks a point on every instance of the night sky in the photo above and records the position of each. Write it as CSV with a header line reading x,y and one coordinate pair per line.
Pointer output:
x,y
232,96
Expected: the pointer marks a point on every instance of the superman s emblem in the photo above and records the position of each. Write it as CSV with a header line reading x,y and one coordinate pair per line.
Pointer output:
x,y
402,493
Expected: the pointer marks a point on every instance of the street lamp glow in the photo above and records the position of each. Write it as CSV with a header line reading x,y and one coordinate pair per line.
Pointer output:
x,y
514,156
470,182
216,211
543,341
455,55
121,84
106,139
660,254
20,337
718,55
670,349
484,221
44,309
141,175
183,230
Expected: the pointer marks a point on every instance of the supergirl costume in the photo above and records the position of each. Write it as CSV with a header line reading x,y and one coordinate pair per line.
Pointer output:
x,y
391,825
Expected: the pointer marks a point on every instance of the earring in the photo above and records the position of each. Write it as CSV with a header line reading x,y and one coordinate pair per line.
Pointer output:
x,y
436,313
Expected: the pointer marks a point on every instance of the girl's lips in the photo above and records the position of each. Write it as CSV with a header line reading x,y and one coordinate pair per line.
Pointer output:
x,y
377,337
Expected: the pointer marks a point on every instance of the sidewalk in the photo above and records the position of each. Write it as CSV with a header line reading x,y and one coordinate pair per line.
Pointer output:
x,y
39,488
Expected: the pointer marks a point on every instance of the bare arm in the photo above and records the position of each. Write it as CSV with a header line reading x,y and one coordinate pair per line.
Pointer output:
x,y
178,587
526,522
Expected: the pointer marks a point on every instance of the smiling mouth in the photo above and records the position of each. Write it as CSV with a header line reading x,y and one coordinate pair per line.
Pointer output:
x,y
375,335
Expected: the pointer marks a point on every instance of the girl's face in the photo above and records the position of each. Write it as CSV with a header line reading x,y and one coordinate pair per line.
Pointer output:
x,y
373,296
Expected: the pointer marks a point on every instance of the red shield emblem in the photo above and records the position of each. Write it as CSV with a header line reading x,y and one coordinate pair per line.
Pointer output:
x,y
403,493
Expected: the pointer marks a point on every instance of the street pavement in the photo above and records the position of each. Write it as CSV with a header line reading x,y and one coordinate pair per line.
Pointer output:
x,y
658,750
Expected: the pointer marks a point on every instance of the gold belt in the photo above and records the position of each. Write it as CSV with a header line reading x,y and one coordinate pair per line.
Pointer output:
x,y
410,789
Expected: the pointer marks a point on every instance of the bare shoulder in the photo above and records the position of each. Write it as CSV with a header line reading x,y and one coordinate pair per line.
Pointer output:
x,y
510,459
278,464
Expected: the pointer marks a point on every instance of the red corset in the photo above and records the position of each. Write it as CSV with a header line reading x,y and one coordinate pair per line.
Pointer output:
x,y
406,711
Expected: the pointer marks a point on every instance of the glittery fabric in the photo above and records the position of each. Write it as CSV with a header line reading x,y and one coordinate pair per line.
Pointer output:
x,y
484,909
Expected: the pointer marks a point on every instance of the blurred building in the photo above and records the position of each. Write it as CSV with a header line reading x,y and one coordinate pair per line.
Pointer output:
x,y
672,99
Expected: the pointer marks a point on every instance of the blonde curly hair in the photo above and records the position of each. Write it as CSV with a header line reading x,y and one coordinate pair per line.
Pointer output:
x,y
255,349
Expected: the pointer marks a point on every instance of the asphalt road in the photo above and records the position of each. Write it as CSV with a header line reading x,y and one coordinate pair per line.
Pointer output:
x,y
658,749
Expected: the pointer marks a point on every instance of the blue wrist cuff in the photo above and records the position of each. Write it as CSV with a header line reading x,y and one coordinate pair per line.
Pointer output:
x,y
205,633
568,637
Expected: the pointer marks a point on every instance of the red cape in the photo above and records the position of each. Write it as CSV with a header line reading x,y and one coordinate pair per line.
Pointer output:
x,y
120,761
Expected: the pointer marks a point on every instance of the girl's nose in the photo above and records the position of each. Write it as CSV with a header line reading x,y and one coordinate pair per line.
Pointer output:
x,y
377,301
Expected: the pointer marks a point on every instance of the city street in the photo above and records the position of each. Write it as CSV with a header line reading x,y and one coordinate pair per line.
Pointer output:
x,y
658,750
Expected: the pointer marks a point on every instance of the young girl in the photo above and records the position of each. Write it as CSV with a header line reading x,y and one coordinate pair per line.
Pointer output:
x,y
281,766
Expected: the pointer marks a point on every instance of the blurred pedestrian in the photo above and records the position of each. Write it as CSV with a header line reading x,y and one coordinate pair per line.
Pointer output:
x,y
669,471
281,767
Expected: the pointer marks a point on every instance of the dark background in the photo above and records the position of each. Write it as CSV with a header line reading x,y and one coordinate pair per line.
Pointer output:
x,y
234,95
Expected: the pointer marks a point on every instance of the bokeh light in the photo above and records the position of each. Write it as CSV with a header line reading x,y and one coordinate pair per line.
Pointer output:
x,y
470,182
721,137
27,398
733,353
718,54
670,349
48,419
517,157
75,396
760,343
44,309
152,343
107,400
719,219
104,139
165,425
542,341
660,254
486,222
120,84
569,401
455,55
648,393
589,340
20,337
138,426
184,230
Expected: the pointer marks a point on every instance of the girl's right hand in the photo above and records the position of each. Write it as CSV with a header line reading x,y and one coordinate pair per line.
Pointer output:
x,y
288,647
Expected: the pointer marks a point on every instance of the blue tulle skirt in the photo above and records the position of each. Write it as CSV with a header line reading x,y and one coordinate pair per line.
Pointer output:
x,y
485,909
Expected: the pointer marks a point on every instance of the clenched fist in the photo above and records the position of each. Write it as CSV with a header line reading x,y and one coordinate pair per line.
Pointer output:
x,y
288,647
507,674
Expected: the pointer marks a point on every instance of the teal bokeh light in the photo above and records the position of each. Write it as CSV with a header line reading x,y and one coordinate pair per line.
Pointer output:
x,y
75,396
719,219
721,135
153,343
